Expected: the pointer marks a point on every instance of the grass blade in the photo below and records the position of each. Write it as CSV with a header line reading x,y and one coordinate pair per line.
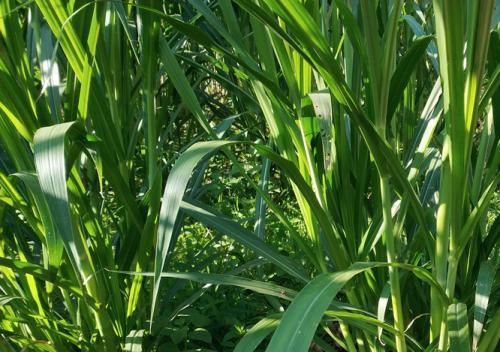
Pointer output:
x,y
258,333
232,229
483,289
171,202
299,323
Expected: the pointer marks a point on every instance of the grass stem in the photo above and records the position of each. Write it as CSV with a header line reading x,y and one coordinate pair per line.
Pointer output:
x,y
391,257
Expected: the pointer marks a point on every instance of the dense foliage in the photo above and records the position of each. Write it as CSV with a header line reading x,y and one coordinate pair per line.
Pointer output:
x,y
279,175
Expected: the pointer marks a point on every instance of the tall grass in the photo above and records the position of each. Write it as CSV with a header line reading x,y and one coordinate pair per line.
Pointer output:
x,y
382,115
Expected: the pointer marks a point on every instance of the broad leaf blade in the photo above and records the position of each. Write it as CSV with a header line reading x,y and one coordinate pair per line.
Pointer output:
x,y
302,317
483,291
258,333
458,327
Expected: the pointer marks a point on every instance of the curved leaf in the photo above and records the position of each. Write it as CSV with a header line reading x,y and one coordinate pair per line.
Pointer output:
x,y
231,228
171,202
302,317
53,241
50,159
258,333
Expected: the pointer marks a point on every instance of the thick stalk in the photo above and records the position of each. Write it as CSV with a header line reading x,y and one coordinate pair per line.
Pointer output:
x,y
397,307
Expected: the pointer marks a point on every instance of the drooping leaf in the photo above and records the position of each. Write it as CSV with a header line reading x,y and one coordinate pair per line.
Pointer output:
x,y
302,317
231,228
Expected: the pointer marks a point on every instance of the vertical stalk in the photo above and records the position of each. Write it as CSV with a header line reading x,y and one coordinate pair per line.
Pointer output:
x,y
397,307
450,289
381,63
461,92
441,249
149,31
149,36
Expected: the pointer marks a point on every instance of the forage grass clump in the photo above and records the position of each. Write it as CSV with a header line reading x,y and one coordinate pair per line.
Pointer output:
x,y
339,159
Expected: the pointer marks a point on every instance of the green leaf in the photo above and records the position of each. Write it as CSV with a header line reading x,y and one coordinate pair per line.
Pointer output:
x,y
458,327
258,333
6,299
50,159
182,85
50,73
483,290
476,215
53,240
260,204
316,49
302,317
382,307
403,73
267,288
174,192
44,275
322,104
489,341
50,151
171,202
418,30
232,229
